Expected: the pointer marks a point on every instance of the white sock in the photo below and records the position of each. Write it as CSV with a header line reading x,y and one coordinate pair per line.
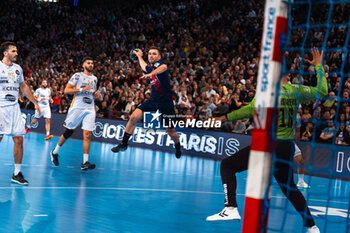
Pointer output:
x,y
301,177
17,169
47,133
86,158
29,126
55,151
231,207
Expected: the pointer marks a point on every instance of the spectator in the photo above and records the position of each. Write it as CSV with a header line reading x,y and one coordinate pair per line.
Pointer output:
x,y
346,136
222,108
103,112
340,135
56,102
307,134
328,133
127,110
306,115
205,111
210,92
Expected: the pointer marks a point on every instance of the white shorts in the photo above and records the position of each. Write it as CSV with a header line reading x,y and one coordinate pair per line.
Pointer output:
x,y
11,121
76,115
297,150
45,112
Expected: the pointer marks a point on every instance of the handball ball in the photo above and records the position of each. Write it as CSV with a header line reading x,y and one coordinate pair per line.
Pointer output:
x,y
133,56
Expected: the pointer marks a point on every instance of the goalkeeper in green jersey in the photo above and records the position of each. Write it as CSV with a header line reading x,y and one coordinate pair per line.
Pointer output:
x,y
291,95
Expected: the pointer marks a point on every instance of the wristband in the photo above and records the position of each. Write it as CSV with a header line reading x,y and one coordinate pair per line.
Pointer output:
x,y
80,89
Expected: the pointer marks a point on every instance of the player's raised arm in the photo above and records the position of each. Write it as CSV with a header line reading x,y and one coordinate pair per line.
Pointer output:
x,y
309,92
162,68
142,62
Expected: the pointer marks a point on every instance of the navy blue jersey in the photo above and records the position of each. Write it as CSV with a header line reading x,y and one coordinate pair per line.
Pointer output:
x,y
161,88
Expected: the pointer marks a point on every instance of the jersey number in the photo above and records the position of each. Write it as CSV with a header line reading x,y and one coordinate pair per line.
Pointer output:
x,y
287,121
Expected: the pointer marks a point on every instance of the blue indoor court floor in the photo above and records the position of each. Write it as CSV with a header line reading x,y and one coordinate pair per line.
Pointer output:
x,y
138,190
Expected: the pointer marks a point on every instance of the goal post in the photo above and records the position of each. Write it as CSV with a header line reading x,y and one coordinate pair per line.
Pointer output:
x,y
270,67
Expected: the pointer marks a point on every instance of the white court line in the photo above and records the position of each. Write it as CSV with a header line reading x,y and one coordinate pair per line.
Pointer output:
x,y
40,215
27,165
152,190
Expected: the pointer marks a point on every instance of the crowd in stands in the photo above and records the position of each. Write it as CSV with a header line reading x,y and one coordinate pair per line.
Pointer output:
x,y
212,53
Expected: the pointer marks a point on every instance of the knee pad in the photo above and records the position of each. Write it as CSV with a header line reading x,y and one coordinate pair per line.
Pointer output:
x,y
67,133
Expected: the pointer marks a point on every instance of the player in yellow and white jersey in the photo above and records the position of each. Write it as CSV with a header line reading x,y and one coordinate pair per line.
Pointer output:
x,y
82,110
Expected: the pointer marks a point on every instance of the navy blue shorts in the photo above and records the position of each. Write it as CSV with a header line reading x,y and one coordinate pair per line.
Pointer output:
x,y
164,107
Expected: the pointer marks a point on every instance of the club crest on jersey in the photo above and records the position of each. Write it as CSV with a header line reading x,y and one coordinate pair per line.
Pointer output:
x,y
13,77
17,72
156,64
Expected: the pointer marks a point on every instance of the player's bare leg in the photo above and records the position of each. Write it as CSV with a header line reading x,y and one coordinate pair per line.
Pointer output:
x,y
61,141
47,127
300,171
135,117
86,149
35,120
18,149
18,156
175,137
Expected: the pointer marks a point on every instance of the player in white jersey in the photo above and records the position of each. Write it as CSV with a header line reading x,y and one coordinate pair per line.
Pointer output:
x,y
82,110
11,122
298,158
43,96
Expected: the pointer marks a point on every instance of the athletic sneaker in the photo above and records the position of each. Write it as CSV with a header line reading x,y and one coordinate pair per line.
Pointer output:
x,y
313,229
19,179
228,213
87,166
120,147
27,130
48,137
54,159
302,184
178,151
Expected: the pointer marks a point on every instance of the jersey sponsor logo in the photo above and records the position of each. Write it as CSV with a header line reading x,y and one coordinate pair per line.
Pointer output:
x,y
17,72
10,98
156,64
10,88
87,100
4,81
